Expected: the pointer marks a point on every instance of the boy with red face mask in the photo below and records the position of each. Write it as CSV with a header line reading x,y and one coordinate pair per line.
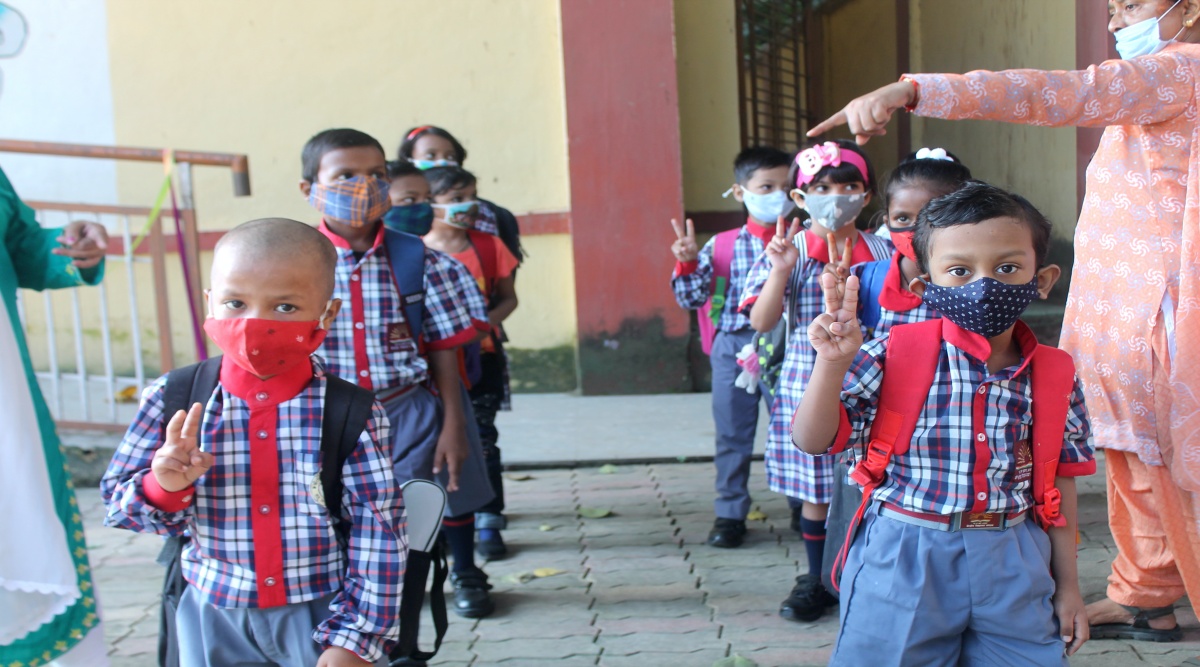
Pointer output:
x,y
241,474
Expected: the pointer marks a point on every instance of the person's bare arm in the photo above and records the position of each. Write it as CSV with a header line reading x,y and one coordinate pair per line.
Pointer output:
x,y
1068,601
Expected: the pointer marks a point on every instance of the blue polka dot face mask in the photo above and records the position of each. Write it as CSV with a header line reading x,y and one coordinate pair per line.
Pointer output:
x,y
986,306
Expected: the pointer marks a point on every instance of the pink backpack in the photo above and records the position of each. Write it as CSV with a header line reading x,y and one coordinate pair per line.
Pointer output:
x,y
710,312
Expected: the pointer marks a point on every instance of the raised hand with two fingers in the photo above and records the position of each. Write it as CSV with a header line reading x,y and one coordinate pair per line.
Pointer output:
x,y
684,248
835,334
179,462
839,262
781,250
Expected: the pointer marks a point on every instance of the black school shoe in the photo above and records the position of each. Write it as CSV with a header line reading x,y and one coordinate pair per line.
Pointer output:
x,y
471,598
727,533
807,601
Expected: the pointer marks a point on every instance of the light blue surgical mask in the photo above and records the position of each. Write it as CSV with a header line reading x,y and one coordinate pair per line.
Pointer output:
x,y
766,208
1142,38
430,164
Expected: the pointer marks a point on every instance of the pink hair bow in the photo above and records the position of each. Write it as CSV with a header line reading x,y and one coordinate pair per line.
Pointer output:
x,y
811,161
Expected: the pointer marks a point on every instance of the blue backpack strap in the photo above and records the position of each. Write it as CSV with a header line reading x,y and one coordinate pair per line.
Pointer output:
x,y
873,275
406,255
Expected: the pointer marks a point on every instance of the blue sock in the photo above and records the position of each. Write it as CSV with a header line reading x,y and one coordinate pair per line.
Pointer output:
x,y
488,534
813,533
460,538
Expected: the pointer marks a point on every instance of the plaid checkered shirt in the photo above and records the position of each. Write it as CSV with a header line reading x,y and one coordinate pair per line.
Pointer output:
x,y
789,470
946,457
692,281
224,558
363,344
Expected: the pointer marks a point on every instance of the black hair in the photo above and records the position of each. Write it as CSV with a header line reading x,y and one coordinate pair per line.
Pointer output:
x,y
971,204
843,173
331,140
401,168
754,158
410,141
941,177
442,179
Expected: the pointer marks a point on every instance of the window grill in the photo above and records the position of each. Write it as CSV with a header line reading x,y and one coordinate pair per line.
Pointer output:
x,y
778,96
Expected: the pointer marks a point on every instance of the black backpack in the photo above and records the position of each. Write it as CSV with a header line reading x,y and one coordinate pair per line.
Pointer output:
x,y
340,431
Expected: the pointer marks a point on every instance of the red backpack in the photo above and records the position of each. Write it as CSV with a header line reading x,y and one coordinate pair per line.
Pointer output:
x,y
722,263
912,359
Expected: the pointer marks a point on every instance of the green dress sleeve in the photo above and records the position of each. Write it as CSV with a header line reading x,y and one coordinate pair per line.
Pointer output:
x,y
29,247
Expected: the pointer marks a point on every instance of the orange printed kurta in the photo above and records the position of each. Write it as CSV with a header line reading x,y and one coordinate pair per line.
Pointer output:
x,y
1137,245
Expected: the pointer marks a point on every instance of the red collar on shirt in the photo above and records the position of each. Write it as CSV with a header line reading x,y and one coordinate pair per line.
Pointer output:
x,y
257,392
895,296
343,244
763,233
818,249
977,346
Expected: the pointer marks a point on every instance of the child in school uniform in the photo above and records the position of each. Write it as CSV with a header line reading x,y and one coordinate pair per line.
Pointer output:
x,y
761,184
832,182
884,286
268,583
966,553
493,266
429,146
345,179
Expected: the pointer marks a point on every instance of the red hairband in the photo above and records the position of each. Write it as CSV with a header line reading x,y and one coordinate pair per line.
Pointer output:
x,y
417,130
812,160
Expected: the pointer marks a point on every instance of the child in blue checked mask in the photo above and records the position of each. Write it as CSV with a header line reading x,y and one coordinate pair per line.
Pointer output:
x,y
412,211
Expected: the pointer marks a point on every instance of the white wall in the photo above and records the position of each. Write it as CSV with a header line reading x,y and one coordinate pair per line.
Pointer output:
x,y
58,89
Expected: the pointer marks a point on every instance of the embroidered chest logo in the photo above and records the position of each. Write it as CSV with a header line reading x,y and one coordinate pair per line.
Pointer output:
x,y
399,338
1023,458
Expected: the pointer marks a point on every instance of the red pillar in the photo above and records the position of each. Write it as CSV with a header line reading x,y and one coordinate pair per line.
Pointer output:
x,y
622,108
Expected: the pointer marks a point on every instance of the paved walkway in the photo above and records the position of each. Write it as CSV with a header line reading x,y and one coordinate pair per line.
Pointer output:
x,y
636,588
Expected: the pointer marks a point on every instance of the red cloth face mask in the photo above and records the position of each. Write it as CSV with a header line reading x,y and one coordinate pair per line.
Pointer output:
x,y
265,347
902,238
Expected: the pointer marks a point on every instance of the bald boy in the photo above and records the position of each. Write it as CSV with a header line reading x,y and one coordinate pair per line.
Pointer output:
x,y
267,581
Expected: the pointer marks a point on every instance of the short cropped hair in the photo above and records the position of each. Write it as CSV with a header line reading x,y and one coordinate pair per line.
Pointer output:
x,y
754,158
401,168
442,179
282,238
971,204
331,140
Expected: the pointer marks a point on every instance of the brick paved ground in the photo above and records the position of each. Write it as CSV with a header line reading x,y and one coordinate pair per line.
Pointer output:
x,y
638,588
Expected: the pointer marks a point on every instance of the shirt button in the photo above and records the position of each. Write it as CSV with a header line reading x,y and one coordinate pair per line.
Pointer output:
x,y
264,509
982,390
980,437
982,495
270,581
187,499
262,396
364,373
354,277
262,435
358,325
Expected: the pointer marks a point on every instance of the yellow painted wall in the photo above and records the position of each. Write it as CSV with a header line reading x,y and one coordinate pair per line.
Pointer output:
x,y
851,67
956,36
710,133
262,77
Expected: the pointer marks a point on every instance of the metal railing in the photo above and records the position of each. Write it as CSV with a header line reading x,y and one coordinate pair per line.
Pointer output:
x,y
91,348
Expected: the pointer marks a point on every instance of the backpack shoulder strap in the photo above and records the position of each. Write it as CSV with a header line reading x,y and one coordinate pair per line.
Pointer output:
x,y
911,362
347,409
1053,381
406,256
722,268
873,276
484,245
190,384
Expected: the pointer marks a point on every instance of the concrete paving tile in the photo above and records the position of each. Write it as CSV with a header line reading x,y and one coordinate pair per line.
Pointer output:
x,y
622,558
578,627
573,661
662,642
626,626
779,635
529,647
650,609
653,592
646,577
786,657
454,651
701,658
665,539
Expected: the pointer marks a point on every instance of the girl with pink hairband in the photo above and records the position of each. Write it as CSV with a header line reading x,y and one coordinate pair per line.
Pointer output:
x,y
833,182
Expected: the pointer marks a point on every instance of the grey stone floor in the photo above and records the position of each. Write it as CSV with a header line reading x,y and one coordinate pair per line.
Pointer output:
x,y
637,588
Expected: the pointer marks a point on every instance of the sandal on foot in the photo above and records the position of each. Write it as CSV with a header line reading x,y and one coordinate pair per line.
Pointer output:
x,y
1139,629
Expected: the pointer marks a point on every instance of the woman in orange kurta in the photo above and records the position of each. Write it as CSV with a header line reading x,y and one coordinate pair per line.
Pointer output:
x,y
1132,319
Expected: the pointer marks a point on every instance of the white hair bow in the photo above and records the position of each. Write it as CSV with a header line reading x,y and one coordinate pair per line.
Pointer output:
x,y
934,154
